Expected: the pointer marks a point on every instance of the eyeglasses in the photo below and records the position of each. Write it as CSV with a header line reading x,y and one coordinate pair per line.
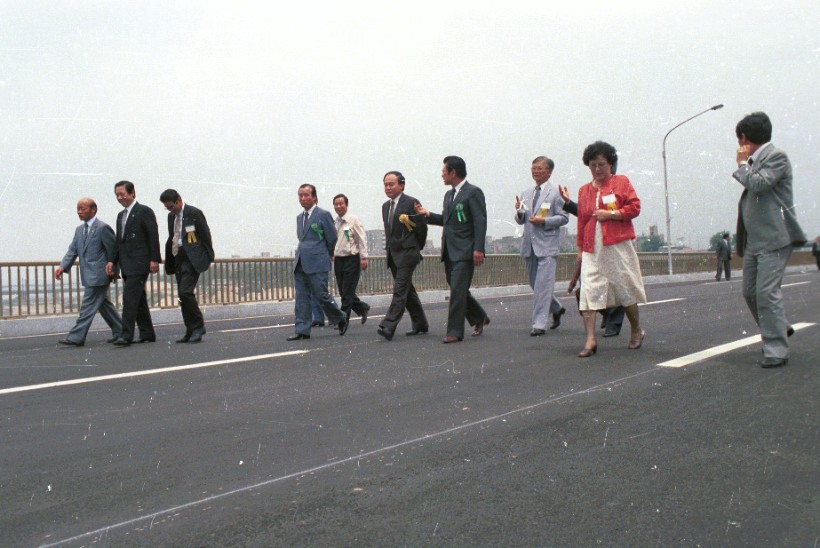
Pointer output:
x,y
597,165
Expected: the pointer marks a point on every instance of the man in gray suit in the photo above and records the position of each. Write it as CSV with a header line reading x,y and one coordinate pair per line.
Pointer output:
x,y
541,210
94,243
767,230
723,255
317,240
464,220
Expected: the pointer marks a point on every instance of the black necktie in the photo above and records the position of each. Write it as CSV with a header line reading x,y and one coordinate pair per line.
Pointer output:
x,y
751,161
453,196
390,215
85,231
535,197
305,223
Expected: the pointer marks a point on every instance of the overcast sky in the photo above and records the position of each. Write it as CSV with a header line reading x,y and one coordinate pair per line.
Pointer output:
x,y
235,104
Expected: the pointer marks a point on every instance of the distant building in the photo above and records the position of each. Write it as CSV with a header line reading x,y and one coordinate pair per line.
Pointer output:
x,y
265,255
653,230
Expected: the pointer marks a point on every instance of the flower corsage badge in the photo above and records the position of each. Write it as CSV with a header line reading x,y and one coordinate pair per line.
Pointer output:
x,y
190,230
318,230
407,222
460,215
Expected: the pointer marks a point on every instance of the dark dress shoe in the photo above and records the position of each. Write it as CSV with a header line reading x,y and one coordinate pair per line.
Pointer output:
x,y
611,333
556,318
196,336
184,339
537,332
479,327
450,339
364,314
769,363
122,342
147,339
317,324
343,325
385,333
790,331
112,339
69,342
415,332
298,337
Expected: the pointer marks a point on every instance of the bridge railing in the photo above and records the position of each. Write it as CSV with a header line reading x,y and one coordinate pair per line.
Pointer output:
x,y
30,289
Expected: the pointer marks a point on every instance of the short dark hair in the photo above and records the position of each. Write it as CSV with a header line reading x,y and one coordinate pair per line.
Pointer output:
x,y
129,186
600,148
310,186
756,127
169,195
457,164
340,196
550,163
725,234
398,175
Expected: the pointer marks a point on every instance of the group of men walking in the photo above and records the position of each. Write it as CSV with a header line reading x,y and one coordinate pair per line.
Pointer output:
x,y
133,253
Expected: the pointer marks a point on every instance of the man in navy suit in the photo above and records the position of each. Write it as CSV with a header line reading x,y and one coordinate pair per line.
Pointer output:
x,y
188,253
317,240
94,243
137,255
464,222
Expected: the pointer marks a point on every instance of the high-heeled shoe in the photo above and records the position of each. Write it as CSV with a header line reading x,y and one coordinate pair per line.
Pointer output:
x,y
587,352
635,344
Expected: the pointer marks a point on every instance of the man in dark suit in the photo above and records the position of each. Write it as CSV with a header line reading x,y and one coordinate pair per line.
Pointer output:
x,y
137,255
405,234
188,253
464,220
94,244
767,230
723,255
317,239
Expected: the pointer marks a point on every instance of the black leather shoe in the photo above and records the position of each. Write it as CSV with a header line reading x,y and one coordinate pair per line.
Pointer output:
x,y
415,332
112,339
122,342
556,318
611,333
537,332
790,331
69,343
298,337
196,336
364,314
343,326
185,338
147,339
769,363
317,324
385,333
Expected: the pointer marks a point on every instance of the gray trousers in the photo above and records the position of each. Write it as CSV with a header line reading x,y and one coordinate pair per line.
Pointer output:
x,y
95,299
762,276
541,272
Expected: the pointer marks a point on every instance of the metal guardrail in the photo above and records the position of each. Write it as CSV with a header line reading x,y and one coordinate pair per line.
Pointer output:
x,y
29,288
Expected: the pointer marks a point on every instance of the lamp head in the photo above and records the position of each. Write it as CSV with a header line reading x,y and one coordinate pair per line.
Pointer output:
x,y
717,107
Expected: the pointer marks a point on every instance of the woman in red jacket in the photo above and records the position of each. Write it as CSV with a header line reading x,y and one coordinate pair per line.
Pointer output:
x,y
610,271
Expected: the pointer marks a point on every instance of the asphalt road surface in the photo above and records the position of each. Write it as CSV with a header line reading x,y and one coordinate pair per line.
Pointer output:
x,y
500,440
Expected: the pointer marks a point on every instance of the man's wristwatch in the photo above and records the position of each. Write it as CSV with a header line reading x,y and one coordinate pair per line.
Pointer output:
x,y
612,214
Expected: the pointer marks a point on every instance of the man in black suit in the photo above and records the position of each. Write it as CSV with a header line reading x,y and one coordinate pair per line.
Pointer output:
x,y
405,235
137,255
464,219
723,254
188,253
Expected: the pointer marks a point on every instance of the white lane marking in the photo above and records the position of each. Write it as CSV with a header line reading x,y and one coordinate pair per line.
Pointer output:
x,y
661,302
159,371
353,458
794,284
722,349
260,328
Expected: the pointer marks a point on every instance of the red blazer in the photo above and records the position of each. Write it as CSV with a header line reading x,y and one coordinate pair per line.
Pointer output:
x,y
627,202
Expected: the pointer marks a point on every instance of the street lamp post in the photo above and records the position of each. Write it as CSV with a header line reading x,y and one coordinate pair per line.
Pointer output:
x,y
666,183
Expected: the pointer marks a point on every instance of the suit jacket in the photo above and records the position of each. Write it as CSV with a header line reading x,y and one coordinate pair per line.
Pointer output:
x,y
94,251
200,251
463,233
723,250
138,244
404,246
766,218
316,243
542,240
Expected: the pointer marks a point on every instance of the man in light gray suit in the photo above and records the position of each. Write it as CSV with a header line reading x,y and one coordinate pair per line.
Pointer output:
x,y
94,243
541,210
767,230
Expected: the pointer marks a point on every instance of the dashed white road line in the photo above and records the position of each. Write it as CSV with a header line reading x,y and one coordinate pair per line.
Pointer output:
x,y
721,349
159,371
